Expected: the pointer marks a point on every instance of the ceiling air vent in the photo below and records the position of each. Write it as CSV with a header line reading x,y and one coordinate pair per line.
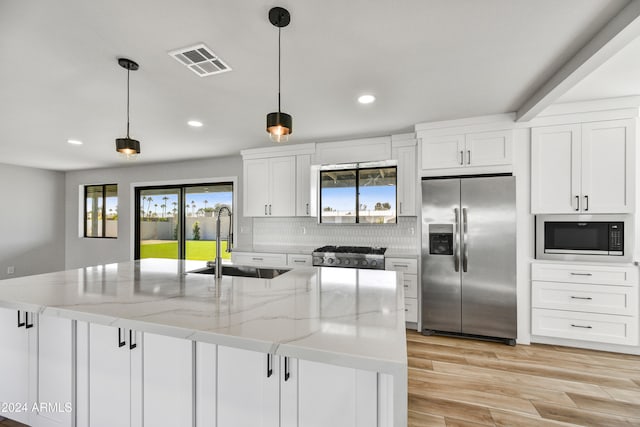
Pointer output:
x,y
201,60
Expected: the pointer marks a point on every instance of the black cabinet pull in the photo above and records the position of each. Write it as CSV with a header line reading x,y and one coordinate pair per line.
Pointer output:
x,y
269,367
577,203
121,342
586,203
581,326
26,321
20,324
132,345
286,369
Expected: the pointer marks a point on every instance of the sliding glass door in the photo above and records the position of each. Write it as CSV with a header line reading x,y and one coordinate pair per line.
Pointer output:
x,y
179,222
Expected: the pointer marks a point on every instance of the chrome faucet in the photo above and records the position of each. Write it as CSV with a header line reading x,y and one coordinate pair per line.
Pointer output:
x,y
229,240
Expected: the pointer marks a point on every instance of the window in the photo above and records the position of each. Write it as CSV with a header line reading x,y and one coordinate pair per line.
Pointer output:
x,y
358,195
101,211
179,221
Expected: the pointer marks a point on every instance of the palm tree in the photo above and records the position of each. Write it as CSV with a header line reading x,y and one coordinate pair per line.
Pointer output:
x,y
193,208
155,211
164,206
149,200
175,209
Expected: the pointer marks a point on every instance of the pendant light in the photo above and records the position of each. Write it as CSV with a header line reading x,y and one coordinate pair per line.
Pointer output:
x,y
279,124
127,146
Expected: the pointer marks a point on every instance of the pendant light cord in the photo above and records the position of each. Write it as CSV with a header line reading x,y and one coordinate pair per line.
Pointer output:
x,y
279,31
128,72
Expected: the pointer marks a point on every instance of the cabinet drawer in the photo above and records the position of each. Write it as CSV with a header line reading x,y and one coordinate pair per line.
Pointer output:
x,y
579,273
406,265
605,299
604,328
259,259
411,310
410,283
299,260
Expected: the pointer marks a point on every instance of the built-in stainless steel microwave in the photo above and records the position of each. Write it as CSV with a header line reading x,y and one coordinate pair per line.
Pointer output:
x,y
605,238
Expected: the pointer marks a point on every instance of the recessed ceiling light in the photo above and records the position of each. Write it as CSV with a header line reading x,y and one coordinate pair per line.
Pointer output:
x,y
74,141
194,123
366,99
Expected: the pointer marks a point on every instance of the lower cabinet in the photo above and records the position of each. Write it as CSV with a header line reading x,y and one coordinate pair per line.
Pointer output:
x,y
36,368
258,389
595,303
409,269
14,364
248,385
137,379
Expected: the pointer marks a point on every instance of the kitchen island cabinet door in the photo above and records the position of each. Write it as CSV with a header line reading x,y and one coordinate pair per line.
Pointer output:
x,y
167,381
14,365
109,377
248,388
53,369
335,396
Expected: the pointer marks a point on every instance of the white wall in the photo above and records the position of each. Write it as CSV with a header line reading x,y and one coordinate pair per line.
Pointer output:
x,y
31,220
83,252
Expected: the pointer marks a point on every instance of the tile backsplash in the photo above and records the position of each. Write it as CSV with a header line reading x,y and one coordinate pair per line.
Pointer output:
x,y
305,231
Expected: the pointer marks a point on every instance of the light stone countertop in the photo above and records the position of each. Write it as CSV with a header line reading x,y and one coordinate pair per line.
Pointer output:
x,y
346,317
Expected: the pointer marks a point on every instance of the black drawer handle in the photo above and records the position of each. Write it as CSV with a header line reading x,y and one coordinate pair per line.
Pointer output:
x,y
269,367
26,320
121,342
286,369
581,326
585,298
132,345
581,274
20,324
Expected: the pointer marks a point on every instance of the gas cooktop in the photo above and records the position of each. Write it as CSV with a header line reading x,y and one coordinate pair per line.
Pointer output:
x,y
350,257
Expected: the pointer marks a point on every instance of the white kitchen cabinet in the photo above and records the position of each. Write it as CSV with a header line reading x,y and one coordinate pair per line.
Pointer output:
x,y
258,259
583,168
442,152
318,395
270,186
247,388
409,269
406,178
14,363
110,390
36,366
132,387
467,150
53,372
596,303
167,381
303,185
299,260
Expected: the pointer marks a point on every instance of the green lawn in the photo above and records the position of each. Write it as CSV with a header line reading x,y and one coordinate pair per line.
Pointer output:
x,y
197,250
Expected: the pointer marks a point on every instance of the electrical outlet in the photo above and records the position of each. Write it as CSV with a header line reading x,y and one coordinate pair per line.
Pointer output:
x,y
11,269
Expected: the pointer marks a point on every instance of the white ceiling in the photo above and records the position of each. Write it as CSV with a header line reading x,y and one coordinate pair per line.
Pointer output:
x,y
424,60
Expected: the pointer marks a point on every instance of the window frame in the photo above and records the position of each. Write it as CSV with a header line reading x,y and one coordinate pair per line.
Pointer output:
x,y
357,167
104,205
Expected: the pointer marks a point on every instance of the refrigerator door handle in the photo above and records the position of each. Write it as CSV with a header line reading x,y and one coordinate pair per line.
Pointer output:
x,y
465,246
456,238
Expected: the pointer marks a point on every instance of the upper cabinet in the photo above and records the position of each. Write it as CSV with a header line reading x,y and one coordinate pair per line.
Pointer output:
x,y
354,151
276,181
404,151
583,168
270,186
467,150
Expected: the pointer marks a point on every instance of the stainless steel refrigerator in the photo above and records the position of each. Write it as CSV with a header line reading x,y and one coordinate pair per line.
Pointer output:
x,y
469,257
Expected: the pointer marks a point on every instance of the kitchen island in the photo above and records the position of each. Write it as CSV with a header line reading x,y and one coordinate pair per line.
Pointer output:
x,y
149,343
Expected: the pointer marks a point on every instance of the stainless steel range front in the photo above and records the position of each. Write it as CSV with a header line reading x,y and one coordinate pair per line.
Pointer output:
x,y
349,257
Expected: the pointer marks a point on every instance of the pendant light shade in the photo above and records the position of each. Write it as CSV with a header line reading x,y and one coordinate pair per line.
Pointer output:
x,y
279,124
128,147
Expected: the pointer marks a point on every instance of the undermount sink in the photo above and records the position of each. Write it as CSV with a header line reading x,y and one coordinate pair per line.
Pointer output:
x,y
244,271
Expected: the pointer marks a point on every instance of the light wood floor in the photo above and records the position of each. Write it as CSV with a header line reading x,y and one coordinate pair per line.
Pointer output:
x,y
460,382
455,382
